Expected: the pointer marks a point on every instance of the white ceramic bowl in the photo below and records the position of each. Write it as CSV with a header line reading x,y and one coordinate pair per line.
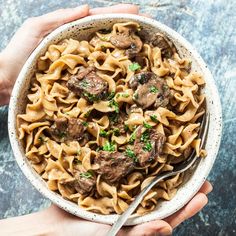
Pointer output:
x,y
80,29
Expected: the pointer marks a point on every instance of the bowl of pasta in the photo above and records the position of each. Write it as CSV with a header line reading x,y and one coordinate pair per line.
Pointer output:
x,y
106,103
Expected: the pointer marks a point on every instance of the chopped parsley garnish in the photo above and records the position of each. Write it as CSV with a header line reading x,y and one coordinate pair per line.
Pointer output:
x,y
142,78
41,139
116,132
134,66
126,127
110,147
136,96
103,133
132,138
78,162
154,118
113,117
103,38
103,48
145,136
148,146
115,105
84,83
61,134
153,89
125,95
165,87
86,175
130,153
110,95
146,125
91,97
78,152
84,123
86,115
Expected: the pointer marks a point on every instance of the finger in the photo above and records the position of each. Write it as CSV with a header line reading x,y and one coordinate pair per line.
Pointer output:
x,y
157,227
206,188
193,207
120,8
54,19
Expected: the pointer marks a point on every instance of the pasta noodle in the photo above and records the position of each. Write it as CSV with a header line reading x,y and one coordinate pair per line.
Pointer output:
x,y
105,116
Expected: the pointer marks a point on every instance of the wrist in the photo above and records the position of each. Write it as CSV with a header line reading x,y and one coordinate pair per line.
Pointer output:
x,y
5,80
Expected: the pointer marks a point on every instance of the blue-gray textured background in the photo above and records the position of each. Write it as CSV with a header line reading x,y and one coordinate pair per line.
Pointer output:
x,y
211,27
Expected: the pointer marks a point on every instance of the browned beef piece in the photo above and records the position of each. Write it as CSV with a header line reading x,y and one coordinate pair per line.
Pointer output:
x,y
113,165
88,84
127,40
166,46
148,145
67,129
149,90
83,183
119,123
75,128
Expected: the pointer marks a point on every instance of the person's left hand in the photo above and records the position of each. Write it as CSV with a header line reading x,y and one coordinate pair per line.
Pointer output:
x,y
72,225
33,30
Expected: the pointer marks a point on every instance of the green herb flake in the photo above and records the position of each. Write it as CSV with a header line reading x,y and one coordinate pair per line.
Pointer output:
x,y
115,105
86,175
113,117
41,139
130,153
146,125
126,127
132,138
61,134
153,89
103,38
136,96
125,95
116,132
84,123
78,152
78,162
110,95
86,115
110,147
103,48
84,83
145,136
154,118
148,146
103,133
91,97
134,66
165,87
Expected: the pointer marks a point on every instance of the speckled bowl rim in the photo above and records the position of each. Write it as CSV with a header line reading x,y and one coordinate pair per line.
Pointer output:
x,y
185,193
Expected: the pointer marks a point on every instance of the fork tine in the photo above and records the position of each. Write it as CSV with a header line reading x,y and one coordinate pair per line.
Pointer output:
x,y
204,129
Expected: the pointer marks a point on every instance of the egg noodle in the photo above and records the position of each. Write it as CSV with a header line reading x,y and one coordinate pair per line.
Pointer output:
x,y
49,98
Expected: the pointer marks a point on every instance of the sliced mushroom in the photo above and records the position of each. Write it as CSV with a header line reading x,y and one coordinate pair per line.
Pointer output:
x,y
149,90
166,46
127,39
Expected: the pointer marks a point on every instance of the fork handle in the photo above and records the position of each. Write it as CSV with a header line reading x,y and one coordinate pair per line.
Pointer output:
x,y
123,218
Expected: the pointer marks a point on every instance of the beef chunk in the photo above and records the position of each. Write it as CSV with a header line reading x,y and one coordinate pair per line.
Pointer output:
x,y
166,46
127,39
75,128
83,182
118,123
67,129
149,90
148,145
88,84
113,165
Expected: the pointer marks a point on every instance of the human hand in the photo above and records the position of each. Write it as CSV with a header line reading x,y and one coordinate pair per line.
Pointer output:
x,y
67,224
33,31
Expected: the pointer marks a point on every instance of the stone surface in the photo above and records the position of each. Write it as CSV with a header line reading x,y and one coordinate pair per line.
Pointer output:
x,y
210,27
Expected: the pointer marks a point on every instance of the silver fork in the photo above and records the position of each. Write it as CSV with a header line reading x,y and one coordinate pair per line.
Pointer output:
x,y
178,168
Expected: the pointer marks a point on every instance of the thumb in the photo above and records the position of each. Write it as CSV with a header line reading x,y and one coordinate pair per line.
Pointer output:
x,y
157,227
